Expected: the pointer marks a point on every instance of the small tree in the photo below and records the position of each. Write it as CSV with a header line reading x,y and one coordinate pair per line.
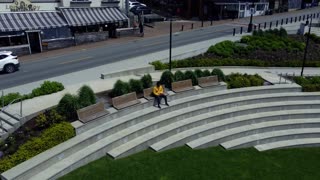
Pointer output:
x,y
166,79
219,73
136,85
206,73
191,75
86,96
146,81
120,88
179,76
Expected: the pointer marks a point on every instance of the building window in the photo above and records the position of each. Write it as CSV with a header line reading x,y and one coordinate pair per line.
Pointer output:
x,y
242,7
260,7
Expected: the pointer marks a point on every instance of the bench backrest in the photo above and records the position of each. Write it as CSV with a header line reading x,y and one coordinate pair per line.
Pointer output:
x,y
208,80
124,99
88,111
176,86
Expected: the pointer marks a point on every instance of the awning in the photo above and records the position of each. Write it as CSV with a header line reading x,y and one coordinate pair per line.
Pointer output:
x,y
36,20
92,15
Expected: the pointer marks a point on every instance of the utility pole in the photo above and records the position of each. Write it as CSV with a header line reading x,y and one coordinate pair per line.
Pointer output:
x,y
306,48
251,16
170,45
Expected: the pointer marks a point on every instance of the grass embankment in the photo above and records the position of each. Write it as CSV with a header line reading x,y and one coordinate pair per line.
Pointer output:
x,y
212,163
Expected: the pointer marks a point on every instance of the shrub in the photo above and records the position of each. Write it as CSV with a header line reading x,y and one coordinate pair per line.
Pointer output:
x,y
41,121
9,98
54,117
68,106
224,48
136,85
146,81
256,80
51,137
206,73
198,73
219,73
86,96
191,75
166,79
239,82
179,76
159,65
120,88
47,87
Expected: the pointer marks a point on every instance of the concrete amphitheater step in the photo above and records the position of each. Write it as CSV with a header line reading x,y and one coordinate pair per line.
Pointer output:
x,y
3,134
292,143
240,134
6,126
94,151
46,159
181,137
307,129
216,93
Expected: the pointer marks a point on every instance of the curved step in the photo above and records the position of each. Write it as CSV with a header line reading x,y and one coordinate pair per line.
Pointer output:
x,y
56,154
193,133
274,136
9,120
292,143
7,127
3,134
238,134
196,97
100,148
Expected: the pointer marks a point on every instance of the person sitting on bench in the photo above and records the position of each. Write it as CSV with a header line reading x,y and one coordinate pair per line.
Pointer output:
x,y
159,94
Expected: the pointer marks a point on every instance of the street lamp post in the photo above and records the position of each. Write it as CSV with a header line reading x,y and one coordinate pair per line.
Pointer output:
x,y
306,48
251,16
170,44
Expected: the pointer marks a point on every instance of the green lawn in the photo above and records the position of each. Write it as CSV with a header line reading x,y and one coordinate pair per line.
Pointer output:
x,y
209,164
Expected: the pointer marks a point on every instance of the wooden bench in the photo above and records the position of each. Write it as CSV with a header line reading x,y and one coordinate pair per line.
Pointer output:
x,y
208,81
92,112
125,100
180,86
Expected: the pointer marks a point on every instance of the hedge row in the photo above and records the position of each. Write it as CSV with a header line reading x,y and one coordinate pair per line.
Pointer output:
x,y
309,84
69,104
208,62
48,87
167,77
50,137
236,80
121,88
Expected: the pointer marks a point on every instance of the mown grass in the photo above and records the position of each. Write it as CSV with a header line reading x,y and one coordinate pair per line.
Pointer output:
x,y
206,164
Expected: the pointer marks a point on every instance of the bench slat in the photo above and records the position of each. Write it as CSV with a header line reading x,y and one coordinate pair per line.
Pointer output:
x,y
208,81
180,86
125,100
91,112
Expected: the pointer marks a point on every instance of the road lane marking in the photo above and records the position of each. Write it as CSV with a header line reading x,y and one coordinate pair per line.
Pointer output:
x,y
76,60
157,43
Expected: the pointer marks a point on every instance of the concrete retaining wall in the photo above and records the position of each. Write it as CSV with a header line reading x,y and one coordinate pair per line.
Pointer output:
x,y
18,50
90,37
143,70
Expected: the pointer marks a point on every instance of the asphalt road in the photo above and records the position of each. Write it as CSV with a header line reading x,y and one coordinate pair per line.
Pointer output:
x,y
79,60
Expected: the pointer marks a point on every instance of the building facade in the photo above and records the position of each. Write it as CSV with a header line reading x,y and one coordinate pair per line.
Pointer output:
x,y
31,26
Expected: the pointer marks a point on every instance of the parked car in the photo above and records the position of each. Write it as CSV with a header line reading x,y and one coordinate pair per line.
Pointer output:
x,y
132,4
140,10
9,63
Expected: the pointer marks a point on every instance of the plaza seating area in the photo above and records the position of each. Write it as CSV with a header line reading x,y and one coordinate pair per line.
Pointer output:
x,y
266,117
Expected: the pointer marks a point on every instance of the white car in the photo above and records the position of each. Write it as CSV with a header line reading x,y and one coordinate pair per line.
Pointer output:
x,y
135,3
8,62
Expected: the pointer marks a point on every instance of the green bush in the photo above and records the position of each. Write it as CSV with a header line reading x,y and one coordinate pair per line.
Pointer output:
x,y
256,80
236,80
309,84
41,121
179,76
120,88
191,75
166,79
198,73
136,85
224,48
68,106
239,82
49,138
146,81
159,65
206,73
218,72
47,87
9,98
86,96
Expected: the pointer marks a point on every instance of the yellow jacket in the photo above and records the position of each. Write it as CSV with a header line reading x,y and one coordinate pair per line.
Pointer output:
x,y
157,90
